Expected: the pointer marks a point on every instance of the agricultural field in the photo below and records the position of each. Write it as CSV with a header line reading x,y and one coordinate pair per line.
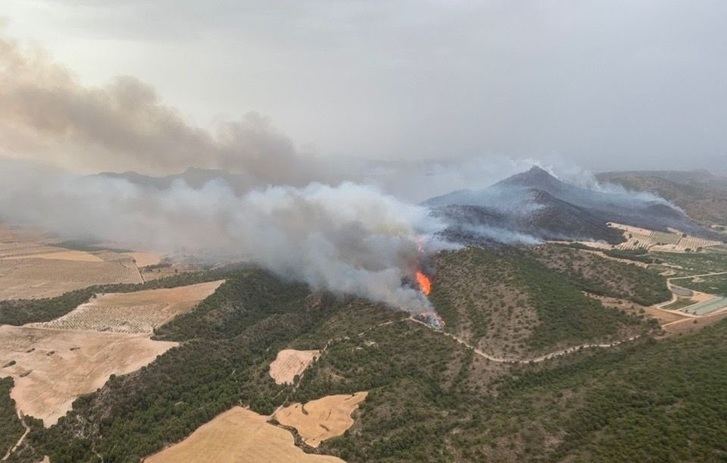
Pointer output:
x,y
24,311
133,312
53,363
672,241
34,266
51,368
144,259
39,278
291,363
695,263
58,254
235,436
321,419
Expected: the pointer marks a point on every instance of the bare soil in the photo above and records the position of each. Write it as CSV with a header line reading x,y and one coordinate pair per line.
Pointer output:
x,y
53,367
30,278
321,419
236,436
144,259
290,363
135,312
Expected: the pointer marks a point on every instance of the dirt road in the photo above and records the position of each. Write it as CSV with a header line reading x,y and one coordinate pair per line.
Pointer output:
x,y
22,438
538,359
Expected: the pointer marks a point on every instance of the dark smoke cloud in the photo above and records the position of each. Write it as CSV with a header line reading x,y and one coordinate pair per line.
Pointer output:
x,y
46,114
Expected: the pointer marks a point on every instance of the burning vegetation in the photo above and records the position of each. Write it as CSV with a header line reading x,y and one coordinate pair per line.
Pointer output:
x,y
429,317
425,284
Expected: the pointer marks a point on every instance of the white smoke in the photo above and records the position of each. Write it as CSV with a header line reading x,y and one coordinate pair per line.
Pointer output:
x,y
348,238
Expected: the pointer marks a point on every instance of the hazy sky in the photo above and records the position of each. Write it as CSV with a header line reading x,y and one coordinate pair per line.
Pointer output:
x,y
607,84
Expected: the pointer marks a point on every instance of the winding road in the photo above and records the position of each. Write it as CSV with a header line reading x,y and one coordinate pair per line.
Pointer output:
x,y
538,359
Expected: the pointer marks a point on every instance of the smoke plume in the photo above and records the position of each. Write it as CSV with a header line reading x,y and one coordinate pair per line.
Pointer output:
x,y
46,114
348,238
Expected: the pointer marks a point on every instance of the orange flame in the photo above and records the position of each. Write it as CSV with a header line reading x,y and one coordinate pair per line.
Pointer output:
x,y
425,283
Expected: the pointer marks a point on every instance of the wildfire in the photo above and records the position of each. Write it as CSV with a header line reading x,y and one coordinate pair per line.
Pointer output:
x,y
424,283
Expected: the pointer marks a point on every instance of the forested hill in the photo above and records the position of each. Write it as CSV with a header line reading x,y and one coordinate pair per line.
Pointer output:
x,y
431,398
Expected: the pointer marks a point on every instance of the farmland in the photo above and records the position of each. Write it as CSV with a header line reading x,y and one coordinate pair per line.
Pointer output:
x,y
35,266
671,241
290,363
133,312
238,435
52,363
321,419
51,368
30,278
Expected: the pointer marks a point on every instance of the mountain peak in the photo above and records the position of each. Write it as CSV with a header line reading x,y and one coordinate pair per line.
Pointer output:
x,y
536,177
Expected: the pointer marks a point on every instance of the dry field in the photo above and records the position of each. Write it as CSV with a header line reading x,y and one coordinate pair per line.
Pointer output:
x,y
32,265
238,436
135,312
22,244
692,324
321,419
144,259
664,317
51,368
51,252
289,363
30,278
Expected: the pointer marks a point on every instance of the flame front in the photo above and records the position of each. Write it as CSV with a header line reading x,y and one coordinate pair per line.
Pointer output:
x,y
424,283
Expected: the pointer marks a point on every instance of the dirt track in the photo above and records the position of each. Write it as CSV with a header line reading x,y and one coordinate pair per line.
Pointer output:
x,y
538,359
12,449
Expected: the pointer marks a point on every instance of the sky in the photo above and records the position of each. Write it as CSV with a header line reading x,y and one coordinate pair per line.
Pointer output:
x,y
613,84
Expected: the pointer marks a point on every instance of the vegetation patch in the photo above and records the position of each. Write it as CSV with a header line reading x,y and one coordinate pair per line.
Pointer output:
x,y
510,304
10,426
712,284
604,277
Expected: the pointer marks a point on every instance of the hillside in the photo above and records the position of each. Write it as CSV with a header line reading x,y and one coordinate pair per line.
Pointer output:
x,y
430,398
702,195
535,205
508,303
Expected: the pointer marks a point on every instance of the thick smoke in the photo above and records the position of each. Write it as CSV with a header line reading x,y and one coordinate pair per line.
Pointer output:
x,y
349,238
46,114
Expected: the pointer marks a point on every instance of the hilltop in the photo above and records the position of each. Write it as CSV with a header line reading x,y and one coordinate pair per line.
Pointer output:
x,y
537,205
